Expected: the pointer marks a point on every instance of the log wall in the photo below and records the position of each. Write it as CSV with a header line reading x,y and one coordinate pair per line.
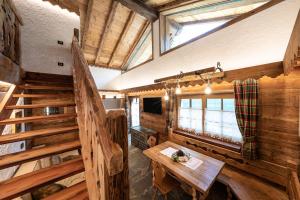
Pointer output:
x,y
278,126
9,42
154,121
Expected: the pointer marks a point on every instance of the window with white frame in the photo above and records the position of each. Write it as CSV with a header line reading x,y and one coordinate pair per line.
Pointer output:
x,y
210,116
190,114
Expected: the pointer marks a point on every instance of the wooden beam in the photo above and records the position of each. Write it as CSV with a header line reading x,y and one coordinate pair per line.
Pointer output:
x,y
70,5
228,17
135,43
108,24
175,4
256,72
292,50
197,72
87,23
141,8
126,28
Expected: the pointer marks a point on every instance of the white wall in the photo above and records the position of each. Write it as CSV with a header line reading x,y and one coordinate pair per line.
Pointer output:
x,y
259,39
103,76
44,24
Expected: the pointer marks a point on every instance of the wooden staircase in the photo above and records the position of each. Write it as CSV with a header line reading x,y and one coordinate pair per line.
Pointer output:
x,y
40,93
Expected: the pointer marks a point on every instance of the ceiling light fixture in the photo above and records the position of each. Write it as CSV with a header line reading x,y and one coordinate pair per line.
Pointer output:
x,y
207,89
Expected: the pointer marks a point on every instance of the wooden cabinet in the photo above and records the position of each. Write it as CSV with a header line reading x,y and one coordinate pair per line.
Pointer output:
x,y
140,135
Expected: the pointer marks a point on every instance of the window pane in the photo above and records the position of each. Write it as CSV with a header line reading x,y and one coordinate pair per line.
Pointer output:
x,y
213,120
214,104
185,103
228,105
219,123
190,118
197,103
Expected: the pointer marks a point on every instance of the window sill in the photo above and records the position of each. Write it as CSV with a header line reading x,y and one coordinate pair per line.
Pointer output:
x,y
219,143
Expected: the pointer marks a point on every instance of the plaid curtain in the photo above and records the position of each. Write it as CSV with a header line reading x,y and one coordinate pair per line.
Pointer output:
x,y
246,99
170,109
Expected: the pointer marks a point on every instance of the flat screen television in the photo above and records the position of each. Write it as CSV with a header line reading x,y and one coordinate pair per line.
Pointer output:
x,y
152,105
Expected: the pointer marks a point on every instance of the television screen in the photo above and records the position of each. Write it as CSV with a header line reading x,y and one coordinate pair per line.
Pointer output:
x,y
152,105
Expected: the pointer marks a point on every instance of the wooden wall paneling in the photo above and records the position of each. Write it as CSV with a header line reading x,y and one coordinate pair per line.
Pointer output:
x,y
154,121
271,70
292,51
278,122
9,31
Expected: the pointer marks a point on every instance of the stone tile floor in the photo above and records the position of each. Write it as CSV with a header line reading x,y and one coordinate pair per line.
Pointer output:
x,y
140,179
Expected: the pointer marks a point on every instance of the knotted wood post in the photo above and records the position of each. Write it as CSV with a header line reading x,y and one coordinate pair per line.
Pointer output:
x,y
116,123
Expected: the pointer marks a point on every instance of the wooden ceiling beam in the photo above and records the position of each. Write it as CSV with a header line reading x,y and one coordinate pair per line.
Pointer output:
x,y
125,30
70,5
140,7
175,4
87,23
135,43
108,24
228,17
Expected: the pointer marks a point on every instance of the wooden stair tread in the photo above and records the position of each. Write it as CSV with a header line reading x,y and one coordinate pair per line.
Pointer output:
x,y
25,183
43,95
34,154
44,87
249,187
37,118
36,133
69,193
43,105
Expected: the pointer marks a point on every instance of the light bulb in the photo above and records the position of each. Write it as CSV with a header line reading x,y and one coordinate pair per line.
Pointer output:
x,y
207,90
178,89
166,96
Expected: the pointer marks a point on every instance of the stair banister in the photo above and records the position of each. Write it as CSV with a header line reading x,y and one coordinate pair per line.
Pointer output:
x,y
102,157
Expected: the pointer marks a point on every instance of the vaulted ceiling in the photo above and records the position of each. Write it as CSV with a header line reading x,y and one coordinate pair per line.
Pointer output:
x,y
111,30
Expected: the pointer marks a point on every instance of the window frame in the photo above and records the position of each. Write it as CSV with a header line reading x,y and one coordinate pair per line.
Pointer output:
x,y
204,137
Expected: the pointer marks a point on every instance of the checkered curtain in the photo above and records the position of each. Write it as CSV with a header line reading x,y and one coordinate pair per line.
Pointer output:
x,y
170,109
246,109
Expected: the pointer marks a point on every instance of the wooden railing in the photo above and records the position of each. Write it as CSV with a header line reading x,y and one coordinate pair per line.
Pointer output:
x,y
102,157
293,47
294,186
116,122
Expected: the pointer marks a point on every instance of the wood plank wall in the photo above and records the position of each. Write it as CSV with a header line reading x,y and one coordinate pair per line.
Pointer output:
x,y
278,126
154,121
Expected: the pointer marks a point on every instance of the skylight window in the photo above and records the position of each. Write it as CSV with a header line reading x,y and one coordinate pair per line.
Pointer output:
x,y
191,31
183,24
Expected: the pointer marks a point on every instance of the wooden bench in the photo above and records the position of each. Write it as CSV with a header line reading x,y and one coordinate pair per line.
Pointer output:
x,y
248,187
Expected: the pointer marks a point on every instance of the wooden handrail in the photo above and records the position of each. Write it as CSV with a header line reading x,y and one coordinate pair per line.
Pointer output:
x,y
8,101
293,186
292,48
102,157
